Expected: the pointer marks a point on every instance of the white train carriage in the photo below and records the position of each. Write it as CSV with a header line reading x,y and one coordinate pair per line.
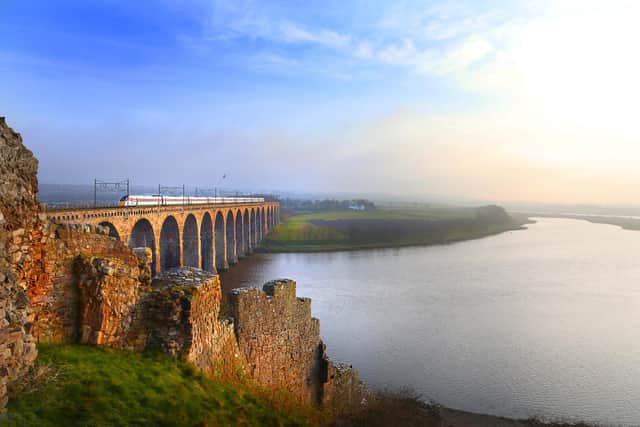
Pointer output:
x,y
159,200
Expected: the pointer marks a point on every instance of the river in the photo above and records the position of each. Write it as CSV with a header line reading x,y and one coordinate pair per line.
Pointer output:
x,y
540,322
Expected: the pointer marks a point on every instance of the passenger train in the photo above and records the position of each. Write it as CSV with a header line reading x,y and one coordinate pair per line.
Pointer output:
x,y
159,200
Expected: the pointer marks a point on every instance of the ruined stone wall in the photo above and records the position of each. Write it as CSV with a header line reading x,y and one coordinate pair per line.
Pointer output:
x,y
183,319
110,291
20,236
83,265
279,339
281,344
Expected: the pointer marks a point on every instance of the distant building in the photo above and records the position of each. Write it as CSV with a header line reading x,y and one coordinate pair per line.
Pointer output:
x,y
358,207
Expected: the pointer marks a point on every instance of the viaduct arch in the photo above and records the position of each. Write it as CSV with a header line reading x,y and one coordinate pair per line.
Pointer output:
x,y
143,235
170,247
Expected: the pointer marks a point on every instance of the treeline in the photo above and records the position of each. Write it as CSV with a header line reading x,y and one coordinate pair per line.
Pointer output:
x,y
301,206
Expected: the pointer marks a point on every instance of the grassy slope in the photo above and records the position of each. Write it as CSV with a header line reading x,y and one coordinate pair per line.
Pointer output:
x,y
297,234
91,386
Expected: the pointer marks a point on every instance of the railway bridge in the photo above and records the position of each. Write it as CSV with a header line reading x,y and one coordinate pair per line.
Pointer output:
x,y
210,237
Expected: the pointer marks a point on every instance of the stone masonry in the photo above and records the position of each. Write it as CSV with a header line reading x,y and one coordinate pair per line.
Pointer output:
x,y
80,261
279,338
110,290
281,343
183,319
19,235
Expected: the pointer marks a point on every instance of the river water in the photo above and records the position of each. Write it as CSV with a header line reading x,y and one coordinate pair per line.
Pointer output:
x,y
540,322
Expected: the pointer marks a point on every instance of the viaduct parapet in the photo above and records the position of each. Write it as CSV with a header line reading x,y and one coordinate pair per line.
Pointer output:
x,y
210,237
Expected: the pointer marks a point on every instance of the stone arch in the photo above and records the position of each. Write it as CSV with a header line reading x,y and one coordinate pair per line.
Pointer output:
x,y
263,222
190,242
254,230
246,235
113,232
269,216
142,236
231,238
221,257
169,244
206,243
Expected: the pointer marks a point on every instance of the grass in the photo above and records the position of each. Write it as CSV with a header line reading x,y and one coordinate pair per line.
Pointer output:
x,y
350,230
392,214
95,386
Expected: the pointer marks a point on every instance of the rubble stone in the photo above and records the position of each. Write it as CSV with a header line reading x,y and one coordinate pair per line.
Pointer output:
x,y
19,261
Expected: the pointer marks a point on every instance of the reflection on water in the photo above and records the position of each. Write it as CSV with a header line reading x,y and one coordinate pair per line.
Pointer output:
x,y
542,322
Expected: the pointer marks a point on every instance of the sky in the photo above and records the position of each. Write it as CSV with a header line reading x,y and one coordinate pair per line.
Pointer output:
x,y
477,99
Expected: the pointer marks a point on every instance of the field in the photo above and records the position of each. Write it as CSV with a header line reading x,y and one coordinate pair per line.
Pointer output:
x,y
76,385
348,230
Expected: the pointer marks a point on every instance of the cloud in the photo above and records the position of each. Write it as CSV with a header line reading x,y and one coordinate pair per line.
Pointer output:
x,y
363,50
403,37
268,60
292,33
403,53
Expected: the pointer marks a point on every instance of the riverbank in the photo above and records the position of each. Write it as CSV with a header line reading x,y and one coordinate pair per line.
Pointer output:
x,y
624,222
388,228
406,409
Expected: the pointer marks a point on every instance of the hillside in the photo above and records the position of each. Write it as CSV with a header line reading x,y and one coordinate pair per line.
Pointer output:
x,y
75,385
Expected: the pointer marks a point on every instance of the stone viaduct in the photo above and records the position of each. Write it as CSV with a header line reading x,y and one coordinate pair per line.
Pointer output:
x,y
210,237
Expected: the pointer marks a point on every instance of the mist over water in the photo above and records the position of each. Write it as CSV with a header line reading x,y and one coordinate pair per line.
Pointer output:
x,y
541,322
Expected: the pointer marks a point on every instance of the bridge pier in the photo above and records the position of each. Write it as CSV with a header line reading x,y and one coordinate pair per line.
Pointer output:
x,y
158,268
220,238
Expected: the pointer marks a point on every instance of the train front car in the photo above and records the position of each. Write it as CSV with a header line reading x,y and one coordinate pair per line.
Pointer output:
x,y
135,201
159,200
